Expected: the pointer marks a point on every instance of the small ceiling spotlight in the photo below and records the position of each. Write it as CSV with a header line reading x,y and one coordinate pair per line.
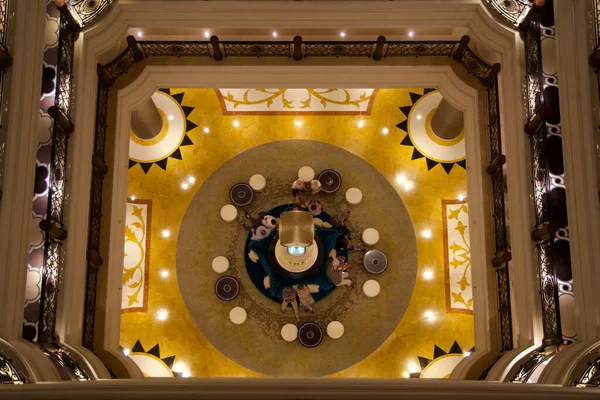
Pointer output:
x,y
428,275
132,198
412,367
164,274
467,353
185,186
162,315
206,129
185,374
139,34
409,185
298,123
171,117
165,233
385,131
343,34
419,116
461,197
126,352
428,315
206,34
400,179
191,180
427,234
411,33
361,123
236,123
274,34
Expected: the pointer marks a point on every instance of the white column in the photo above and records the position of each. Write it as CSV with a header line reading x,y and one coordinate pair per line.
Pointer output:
x,y
579,153
23,92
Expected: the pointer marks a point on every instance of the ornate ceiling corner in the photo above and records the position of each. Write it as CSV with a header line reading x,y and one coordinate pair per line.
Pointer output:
x,y
89,12
511,12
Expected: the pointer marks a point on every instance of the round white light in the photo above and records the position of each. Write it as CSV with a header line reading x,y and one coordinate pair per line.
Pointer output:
x,y
206,130
274,34
191,180
185,186
140,34
413,367
162,315
171,117
164,274
400,179
428,275
206,34
385,131
179,367
466,354
408,185
427,234
185,374
165,233
361,123
132,198
236,123
342,34
428,314
419,116
461,197
126,352
411,33
298,123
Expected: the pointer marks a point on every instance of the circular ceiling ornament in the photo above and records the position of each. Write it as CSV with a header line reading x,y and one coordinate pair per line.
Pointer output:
x,y
425,143
227,288
310,335
172,137
241,194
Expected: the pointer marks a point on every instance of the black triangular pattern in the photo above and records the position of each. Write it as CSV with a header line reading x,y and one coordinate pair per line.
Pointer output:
x,y
176,154
165,90
448,167
416,155
132,163
189,125
138,348
177,374
155,351
186,141
163,163
423,362
406,110
429,90
187,110
472,349
169,361
403,125
455,349
463,163
146,167
431,164
406,141
438,352
178,97
414,97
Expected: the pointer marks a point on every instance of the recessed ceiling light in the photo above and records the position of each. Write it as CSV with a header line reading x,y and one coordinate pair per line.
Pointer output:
x,y
126,352
162,315
206,34
413,367
419,116
191,180
171,117
427,275
236,123
164,274
274,34
165,233
342,34
132,198
466,353
428,314
140,34
385,131
297,122
427,234
185,186
206,130
400,179
409,185
461,197
361,123
185,374
411,33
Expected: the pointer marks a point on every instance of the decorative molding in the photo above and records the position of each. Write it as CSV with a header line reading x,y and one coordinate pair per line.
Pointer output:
x,y
457,257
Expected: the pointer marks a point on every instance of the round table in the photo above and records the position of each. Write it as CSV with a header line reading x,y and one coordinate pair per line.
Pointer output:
x,y
241,194
335,329
220,264
371,288
306,173
227,288
330,180
257,182
310,334
375,261
229,213
289,332
238,315
353,196
370,236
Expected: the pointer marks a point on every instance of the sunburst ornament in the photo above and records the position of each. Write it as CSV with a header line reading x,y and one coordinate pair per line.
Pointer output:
x,y
443,362
419,135
150,362
172,137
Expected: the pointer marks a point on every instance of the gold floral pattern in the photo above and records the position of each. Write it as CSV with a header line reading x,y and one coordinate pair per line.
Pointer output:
x,y
457,256
135,261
